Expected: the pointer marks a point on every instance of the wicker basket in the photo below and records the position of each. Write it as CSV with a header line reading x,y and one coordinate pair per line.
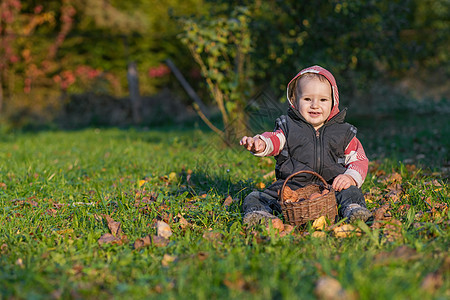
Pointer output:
x,y
298,213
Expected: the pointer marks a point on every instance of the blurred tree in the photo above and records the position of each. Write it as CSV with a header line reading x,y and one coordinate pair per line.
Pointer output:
x,y
77,46
222,46
358,40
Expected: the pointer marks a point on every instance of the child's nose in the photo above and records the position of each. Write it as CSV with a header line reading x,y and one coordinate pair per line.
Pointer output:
x,y
314,103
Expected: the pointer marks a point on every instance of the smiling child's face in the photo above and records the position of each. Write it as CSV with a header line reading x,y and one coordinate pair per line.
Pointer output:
x,y
314,100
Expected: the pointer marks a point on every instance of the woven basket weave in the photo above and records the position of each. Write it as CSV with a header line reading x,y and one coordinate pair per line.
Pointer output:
x,y
298,213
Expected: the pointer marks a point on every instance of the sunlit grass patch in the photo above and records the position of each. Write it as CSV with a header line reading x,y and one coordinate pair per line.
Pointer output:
x,y
61,191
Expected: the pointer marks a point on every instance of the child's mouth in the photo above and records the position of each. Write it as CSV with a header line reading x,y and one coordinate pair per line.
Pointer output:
x,y
314,114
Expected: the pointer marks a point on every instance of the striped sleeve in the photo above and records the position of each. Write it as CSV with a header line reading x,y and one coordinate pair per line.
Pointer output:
x,y
356,161
275,142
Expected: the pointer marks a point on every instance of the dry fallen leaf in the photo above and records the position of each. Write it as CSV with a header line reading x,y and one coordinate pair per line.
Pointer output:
x,y
212,236
108,238
182,221
168,259
260,185
159,241
237,282
116,236
277,225
432,282
228,201
19,262
163,229
143,242
393,178
202,255
346,230
328,288
113,226
319,234
393,230
320,223
288,228
382,213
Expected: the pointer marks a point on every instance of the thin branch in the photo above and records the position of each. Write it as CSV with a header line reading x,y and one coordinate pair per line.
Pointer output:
x,y
205,119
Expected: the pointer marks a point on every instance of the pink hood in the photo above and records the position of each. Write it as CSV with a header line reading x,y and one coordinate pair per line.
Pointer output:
x,y
329,76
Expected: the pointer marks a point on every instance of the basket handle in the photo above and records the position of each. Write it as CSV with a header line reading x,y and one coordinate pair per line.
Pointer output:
x,y
296,173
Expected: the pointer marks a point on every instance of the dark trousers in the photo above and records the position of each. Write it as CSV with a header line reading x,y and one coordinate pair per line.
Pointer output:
x,y
268,201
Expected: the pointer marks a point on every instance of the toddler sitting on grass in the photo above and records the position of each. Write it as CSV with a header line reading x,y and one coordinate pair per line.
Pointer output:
x,y
312,136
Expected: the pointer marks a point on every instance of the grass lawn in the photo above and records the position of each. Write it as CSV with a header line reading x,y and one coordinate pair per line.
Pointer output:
x,y
79,213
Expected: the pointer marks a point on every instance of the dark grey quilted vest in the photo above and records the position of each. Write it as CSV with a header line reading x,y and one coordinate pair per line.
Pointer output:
x,y
321,151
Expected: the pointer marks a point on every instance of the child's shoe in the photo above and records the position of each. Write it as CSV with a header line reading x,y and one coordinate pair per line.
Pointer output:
x,y
257,217
355,212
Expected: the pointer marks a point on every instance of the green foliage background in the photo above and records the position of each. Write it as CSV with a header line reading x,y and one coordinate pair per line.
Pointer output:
x,y
378,50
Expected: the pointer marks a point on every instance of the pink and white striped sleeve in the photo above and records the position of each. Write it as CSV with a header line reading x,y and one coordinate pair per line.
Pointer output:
x,y
275,142
356,161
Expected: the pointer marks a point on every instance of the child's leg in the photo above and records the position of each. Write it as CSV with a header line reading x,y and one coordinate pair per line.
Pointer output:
x,y
352,205
259,207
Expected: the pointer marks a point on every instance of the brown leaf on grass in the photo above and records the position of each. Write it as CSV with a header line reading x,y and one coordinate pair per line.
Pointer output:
x,y
143,242
202,255
346,230
393,230
19,262
113,226
277,225
319,234
403,253
393,178
168,259
260,185
116,236
237,282
271,174
288,228
108,238
183,223
437,207
320,223
212,236
51,212
228,201
148,240
163,229
3,185
328,288
145,198
432,282
3,248
159,241
382,213
29,201
404,208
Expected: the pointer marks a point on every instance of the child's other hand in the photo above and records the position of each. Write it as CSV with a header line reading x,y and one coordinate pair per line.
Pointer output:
x,y
342,182
253,144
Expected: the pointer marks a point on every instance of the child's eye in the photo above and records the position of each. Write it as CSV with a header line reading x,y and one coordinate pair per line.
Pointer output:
x,y
307,99
324,99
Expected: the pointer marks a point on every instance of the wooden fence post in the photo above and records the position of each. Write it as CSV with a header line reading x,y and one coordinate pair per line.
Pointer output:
x,y
133,87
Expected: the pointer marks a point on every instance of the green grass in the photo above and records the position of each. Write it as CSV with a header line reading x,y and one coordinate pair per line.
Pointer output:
x,y
57,185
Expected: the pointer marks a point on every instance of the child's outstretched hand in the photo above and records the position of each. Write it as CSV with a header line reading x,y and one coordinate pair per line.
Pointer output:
x,y
342,182
253,144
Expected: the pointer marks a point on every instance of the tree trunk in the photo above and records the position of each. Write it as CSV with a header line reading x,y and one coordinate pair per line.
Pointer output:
x,y
237,126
